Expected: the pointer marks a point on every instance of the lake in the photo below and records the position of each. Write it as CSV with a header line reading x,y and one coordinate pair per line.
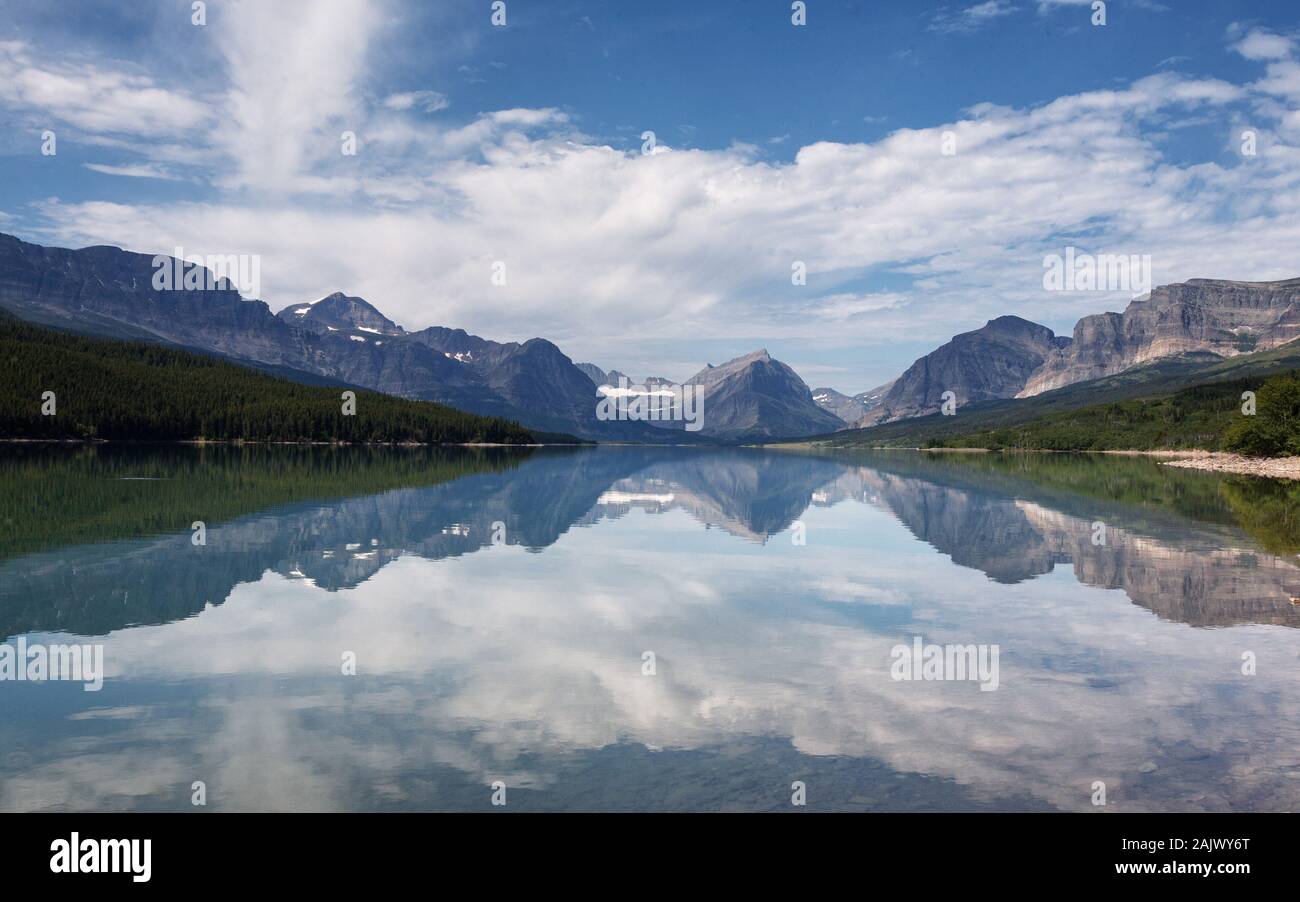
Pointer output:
x,y
647,629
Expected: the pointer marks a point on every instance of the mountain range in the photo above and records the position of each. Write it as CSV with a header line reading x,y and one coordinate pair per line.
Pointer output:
x,y
107,291
847,408
345,340
753,396
1010,357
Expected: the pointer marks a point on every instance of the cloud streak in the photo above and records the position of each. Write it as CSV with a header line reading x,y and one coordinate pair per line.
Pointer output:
x,y
971,18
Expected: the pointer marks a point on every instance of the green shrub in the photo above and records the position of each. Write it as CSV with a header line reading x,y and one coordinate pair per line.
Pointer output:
x,y
1274,430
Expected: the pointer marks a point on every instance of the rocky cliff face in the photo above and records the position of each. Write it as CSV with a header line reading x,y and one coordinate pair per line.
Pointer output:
x,y
1200,315
873,398
1011,357
111,291
533,376
754,396
994,361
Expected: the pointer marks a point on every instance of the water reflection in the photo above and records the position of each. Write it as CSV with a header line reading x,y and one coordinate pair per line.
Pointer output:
x,y
499,606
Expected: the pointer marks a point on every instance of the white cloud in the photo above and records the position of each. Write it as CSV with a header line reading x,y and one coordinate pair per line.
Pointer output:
x,y
95,98
608,252
599,243
1263,45
140,172
293,70
1046,6
971,18
427,101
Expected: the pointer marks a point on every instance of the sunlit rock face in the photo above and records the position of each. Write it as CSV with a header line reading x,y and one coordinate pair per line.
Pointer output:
x,y
1198,316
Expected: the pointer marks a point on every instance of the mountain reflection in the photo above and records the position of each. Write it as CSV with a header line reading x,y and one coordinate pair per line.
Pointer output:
x,y
499,604
1204,573
1186,561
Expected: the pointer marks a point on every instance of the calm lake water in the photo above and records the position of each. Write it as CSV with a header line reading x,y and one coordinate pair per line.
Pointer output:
x,y
500,607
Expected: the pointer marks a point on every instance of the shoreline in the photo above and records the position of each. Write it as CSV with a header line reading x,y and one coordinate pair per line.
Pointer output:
x,y
202,442
1225,462
1189,459
1285,468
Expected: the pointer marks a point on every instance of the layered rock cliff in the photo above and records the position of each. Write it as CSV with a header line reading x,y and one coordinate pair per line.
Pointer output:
x,y
1198,316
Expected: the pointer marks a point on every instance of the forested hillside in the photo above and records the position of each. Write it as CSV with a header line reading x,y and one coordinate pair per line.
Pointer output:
x,y
1206,417
1186,402
106,389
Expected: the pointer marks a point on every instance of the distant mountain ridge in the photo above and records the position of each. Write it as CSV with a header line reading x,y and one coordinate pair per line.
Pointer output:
x,y
1010,357
752,396
850,410
109,292
137,391
1161,380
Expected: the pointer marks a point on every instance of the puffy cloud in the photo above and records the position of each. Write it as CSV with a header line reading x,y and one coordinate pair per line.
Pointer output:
x,y
1263,45
597,241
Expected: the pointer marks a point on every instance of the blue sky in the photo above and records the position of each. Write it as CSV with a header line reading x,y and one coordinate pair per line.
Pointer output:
x,y
522,144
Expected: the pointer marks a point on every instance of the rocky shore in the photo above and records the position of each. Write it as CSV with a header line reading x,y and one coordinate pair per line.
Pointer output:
x,y
1222,462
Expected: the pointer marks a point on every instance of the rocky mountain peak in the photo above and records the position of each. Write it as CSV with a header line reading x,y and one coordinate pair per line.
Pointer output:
x,y
339,312
993,361
712,373
756,395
